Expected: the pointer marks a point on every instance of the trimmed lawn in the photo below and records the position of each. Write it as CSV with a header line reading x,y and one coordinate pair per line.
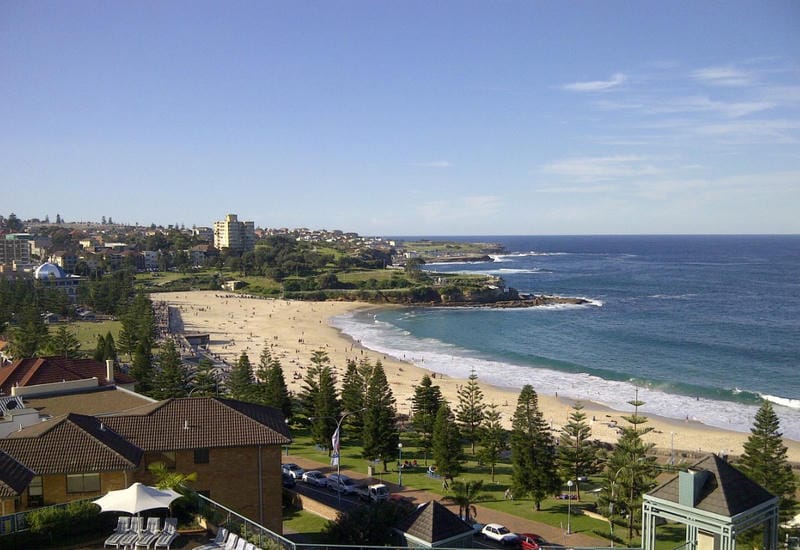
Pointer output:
x,y
86,332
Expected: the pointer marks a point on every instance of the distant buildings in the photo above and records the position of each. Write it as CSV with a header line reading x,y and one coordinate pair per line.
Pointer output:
x,y
234,235
15,248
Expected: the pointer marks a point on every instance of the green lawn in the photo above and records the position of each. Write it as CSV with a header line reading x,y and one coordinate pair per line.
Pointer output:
x,y
305,524
86,332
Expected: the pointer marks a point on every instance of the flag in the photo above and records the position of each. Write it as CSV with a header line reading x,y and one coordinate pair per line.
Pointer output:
x,y
335,448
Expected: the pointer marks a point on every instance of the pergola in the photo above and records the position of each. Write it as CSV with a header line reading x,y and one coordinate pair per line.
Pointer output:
x,y
716,502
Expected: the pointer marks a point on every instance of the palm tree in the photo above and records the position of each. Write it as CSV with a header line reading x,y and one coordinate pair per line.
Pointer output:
x,y
466,494
170,479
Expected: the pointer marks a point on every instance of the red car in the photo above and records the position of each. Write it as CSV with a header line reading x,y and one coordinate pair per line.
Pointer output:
x,y
529,541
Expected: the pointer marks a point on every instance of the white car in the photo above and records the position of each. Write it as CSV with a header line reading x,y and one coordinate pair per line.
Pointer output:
x,y
293,470
315,477
498,533
341,484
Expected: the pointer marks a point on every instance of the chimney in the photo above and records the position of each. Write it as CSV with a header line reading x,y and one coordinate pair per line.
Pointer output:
x,y
110,370
690,486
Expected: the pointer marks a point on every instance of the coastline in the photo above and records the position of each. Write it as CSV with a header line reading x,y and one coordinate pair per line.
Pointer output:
x,y
294,330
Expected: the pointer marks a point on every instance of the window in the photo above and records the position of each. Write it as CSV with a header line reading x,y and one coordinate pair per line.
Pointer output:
x,y
83,483
35,488
167,458
201,456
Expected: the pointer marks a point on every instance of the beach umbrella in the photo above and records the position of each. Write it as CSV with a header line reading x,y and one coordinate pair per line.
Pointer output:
x,y
136,498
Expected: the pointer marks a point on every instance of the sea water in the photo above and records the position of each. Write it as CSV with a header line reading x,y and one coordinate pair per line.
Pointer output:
x,y
703,326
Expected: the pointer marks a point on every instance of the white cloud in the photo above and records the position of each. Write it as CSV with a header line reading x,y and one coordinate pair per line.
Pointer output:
x,y
723,76
434,164
460,209
596,85
591,169
753,131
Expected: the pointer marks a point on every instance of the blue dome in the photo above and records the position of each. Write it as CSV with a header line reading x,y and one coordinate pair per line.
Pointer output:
x,y
48,270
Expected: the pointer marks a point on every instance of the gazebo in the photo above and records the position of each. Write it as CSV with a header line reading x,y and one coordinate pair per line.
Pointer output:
x,y
432,525
716,502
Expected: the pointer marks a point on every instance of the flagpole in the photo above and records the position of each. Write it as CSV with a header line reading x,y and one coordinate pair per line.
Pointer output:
x,y
336,444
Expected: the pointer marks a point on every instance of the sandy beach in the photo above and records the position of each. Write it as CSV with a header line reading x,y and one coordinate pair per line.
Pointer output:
x,y
296,329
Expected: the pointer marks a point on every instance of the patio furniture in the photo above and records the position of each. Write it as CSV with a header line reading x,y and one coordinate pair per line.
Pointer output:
x,y
230,542
217,542
123,526
150,534
168,534
129,538
241,543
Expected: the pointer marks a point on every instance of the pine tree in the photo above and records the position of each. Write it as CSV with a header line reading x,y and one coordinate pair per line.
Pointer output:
x,y
379,434
446,443
109,347
204,384
142,369
171,379
99,353
271,385
63,343
240,382
493,438
765,460
327,408
353,394
470,411
577,456
630,470
425,405
30,335
532,450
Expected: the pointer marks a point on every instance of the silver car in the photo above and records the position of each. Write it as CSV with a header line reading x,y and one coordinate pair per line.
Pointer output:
x,y
315,477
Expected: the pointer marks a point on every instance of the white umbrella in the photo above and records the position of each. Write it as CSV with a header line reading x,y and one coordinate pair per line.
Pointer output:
x,y
136,498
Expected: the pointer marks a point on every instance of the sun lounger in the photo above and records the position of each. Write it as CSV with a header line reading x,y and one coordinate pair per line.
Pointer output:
x,y
231,541
217,542
150,533
168,534
129,538
123,526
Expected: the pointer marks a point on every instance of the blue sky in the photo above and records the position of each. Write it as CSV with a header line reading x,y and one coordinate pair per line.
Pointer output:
x,y
405,117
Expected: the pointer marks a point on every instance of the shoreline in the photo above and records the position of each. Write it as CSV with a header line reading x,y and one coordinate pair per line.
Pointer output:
x,y
294,330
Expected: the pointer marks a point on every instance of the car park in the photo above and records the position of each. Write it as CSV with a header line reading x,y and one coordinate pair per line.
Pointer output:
x,y
315,477
530,541
341,484
499,533
293,470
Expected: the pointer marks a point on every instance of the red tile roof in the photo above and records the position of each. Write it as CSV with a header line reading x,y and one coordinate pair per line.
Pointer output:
x,y
46,370
200,422
71,444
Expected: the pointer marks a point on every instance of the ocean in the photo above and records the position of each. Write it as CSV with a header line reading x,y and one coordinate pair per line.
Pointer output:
x,y
704,326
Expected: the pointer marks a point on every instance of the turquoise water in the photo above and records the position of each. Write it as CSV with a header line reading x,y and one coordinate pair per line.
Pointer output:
x,y
704,326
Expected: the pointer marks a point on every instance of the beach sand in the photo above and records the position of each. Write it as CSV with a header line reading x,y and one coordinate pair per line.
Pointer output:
x,y
295,329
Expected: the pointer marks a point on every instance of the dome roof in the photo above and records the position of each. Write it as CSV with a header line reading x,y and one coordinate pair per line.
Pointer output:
x,y
48,270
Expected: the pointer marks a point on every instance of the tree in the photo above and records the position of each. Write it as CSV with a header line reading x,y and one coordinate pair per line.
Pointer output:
x,y
272,389
241,384
630,471
577,457
470,411
425,405
64,343
142,369
99,353
379,435
367,525
171,379
493,438
447,451
532,450
30,335
327,407
168,478
109,347
204,384
354,389
465,494
765,460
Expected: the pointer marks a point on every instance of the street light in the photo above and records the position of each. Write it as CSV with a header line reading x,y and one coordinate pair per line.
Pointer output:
x,y
569,506
400,465
337,454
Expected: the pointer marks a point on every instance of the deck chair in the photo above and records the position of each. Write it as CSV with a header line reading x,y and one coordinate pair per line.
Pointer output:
x,y
129,538
241,543
230,542
168,534
250,546
217,542
150,533
123,525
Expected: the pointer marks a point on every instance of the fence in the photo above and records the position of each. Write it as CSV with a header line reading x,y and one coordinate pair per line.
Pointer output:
x,y
18,521
252,531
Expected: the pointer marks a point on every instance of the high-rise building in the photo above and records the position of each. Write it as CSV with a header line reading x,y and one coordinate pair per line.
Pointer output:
x,y
234,235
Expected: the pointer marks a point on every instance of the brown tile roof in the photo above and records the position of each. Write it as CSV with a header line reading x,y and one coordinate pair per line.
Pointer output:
x,y
14,477
726,491
433,522
46,370
200,422
73,443
104,400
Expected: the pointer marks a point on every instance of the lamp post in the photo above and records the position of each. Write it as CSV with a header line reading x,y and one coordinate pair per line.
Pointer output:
x,y
336,451
672,448
569,506
400,465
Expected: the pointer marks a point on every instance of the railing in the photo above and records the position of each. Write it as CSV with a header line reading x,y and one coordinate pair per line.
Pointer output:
x,y
252,531
18,521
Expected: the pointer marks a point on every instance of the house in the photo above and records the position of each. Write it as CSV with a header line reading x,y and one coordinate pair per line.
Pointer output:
x,y
432,525
233,447
52,375
14,479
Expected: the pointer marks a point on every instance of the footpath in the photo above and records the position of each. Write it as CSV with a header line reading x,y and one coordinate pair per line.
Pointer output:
x,y
554,535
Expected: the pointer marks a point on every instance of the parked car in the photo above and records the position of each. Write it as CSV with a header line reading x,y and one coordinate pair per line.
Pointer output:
x,y
499,533
529,541
315,477
341,484
377,492
293,470
287,480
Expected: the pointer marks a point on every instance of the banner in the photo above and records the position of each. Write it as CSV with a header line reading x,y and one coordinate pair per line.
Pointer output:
x,y
335,448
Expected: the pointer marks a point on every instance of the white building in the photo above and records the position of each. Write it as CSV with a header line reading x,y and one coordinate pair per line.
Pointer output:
x,y
234,235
